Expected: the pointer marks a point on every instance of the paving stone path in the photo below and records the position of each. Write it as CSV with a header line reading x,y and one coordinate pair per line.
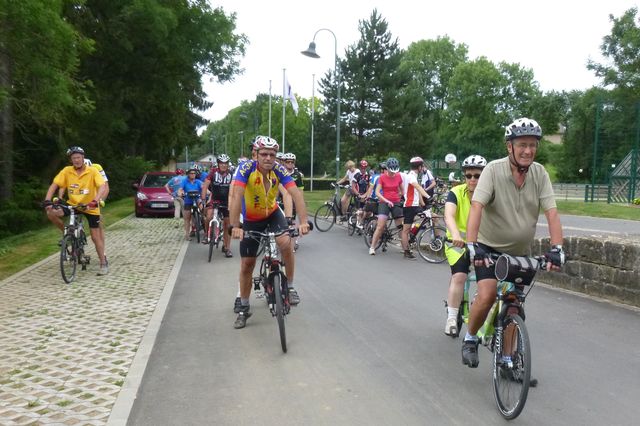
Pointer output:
x,y
65,349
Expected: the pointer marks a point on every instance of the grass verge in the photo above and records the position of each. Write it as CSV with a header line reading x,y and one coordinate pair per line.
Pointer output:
x,y
19,251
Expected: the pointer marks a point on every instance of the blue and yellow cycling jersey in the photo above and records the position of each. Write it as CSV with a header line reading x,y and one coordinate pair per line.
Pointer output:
x,y
260,193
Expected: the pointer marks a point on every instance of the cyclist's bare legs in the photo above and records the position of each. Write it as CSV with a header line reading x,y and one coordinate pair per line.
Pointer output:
x,y
246,276
344,201
404,235
55,216
99,243
286,249
209,216
226,237
456,289
186,214
382,222
481,304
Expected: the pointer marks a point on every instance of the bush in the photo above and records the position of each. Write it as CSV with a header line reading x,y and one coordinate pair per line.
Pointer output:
x,y
123,173
16,219
636,201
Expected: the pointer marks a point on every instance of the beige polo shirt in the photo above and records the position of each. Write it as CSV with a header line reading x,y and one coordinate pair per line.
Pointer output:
x,y
510,213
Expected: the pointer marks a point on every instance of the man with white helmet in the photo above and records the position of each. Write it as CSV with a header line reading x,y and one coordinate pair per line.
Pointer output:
x,y
456,213
503,217
413,202
258,182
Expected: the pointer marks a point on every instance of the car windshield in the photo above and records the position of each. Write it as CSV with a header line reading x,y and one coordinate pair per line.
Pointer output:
x,y
156,181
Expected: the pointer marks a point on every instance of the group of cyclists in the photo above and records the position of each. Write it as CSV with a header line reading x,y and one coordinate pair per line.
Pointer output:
x,y
484,216
494,210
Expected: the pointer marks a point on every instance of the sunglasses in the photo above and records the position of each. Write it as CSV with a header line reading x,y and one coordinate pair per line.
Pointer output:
x,y
289,161
470,176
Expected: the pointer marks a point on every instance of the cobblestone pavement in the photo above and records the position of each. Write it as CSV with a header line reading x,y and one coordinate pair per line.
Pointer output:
x,y
65,350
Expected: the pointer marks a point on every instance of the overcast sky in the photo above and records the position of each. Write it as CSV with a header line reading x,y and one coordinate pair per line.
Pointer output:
x,y
553,38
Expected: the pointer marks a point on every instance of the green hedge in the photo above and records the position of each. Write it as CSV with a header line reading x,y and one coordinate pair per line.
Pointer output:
x,y
318,184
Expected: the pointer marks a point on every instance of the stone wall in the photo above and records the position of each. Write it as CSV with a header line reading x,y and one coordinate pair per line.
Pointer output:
x,y
607,267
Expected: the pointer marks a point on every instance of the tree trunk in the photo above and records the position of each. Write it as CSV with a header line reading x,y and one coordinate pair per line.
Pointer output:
x,y
6,129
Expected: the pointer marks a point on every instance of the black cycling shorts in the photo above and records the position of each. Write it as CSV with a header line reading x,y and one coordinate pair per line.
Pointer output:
x,y
482,272
462,265
396,212
410,213
93,219
276,222
224,211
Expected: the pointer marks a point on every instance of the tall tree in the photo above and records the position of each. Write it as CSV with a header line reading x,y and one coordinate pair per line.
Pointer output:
x,y
369,75
39,86
150,58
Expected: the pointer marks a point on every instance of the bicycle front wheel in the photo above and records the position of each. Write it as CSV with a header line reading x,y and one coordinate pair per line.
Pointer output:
x,y
511,379
68,258
212,243
325,217
279,295
196,220
352,219
431,244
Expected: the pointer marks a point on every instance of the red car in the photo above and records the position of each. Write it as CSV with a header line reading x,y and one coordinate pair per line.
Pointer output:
x,y
151,196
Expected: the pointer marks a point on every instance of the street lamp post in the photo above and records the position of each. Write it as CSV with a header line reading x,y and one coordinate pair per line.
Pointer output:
x,y
241,143
311,52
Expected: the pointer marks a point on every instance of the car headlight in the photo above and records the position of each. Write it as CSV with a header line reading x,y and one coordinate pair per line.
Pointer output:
x,y
141,196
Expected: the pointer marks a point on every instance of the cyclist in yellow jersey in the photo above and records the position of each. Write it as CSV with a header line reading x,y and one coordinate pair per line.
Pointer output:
x,y
257,184
456,213
84,185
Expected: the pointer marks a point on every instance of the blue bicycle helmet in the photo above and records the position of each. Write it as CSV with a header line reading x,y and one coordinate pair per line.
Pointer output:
x,y
393,165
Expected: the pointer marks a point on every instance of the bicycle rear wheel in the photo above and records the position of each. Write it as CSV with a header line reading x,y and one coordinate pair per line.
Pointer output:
x,y
68,258
277,288
511,380
431,244
325,217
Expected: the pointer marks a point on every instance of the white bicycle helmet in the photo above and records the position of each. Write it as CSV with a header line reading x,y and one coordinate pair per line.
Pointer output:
x,y
88,162
474,162
265,142
289,156
75,150
416,160
223,158
523,127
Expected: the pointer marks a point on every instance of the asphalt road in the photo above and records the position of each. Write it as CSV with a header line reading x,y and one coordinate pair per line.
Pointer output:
x,y
583,225
366,347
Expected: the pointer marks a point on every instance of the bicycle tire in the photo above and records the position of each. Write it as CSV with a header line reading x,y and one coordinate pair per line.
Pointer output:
x,y
211,245
430,244
68,258
352,218
325,217
369,230
197,224
277,289
511,384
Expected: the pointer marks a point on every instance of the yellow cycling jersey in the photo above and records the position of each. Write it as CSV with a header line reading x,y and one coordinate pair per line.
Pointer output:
x,y
81,189
258,203
99,168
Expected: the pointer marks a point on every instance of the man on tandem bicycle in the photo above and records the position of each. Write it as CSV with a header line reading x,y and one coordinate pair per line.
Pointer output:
x,y
256,183
511,192
84,186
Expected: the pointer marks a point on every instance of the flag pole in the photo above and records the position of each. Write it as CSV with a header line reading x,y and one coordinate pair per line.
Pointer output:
x,y
269,108
284,93
313,95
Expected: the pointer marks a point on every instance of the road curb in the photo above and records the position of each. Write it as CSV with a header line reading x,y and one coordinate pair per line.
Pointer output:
x,y
127,396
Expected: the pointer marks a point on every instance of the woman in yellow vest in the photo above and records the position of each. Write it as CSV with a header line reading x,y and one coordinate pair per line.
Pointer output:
x,y
456,212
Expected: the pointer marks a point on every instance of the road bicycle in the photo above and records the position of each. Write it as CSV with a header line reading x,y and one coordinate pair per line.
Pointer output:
x,y
73,242
196,214
428,237
272,279
215,231
390,233
504,332
327,214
